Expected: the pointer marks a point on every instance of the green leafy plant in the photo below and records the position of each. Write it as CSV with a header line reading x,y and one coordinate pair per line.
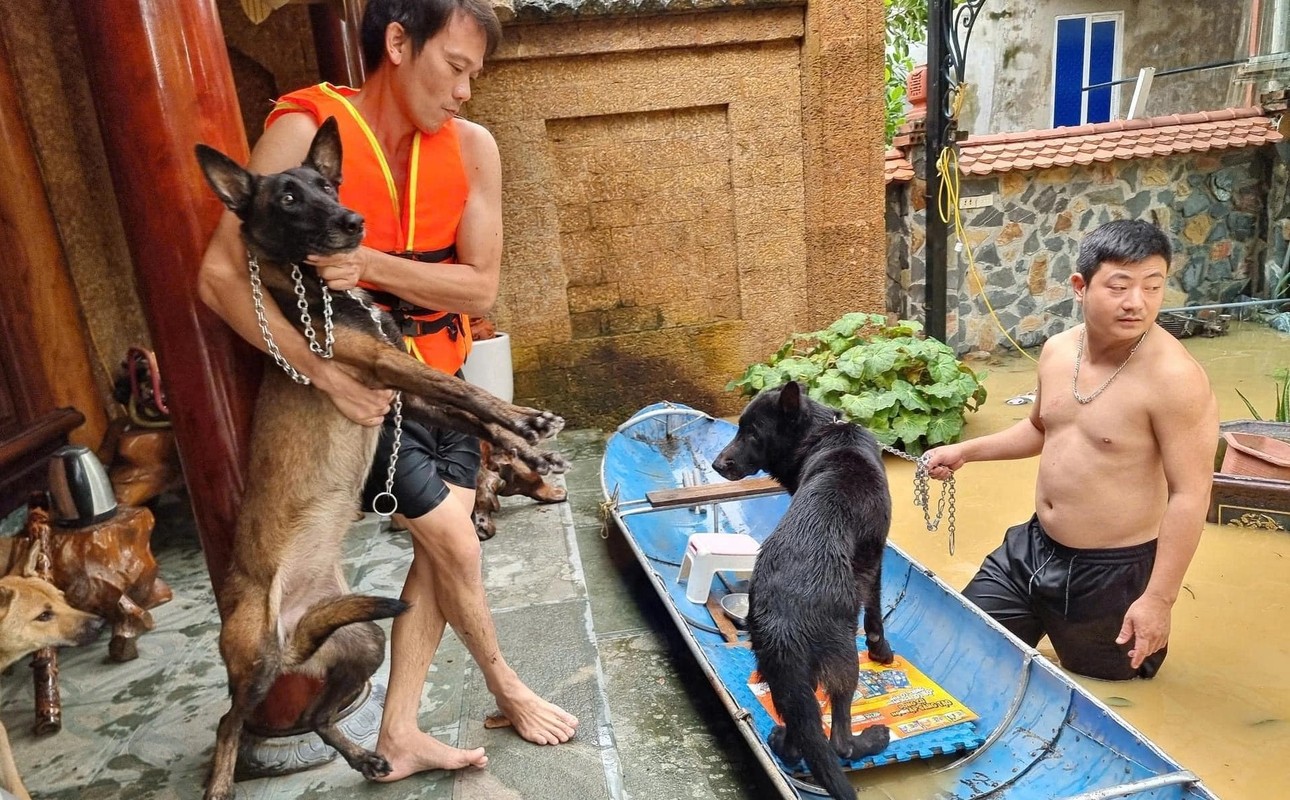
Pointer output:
x,y
911,392
1281,390
906,25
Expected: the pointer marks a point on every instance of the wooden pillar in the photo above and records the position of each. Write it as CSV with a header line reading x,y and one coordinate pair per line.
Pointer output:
x,y
161,81
335,25
43,315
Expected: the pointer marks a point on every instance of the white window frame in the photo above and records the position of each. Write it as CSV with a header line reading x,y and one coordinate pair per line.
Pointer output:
x,y
1116,67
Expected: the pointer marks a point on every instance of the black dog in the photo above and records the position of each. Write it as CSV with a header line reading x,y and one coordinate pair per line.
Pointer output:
x,y
284,605
822,563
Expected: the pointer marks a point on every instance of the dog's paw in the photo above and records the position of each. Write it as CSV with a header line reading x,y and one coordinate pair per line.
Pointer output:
x,y
870,741
371,765
535,425
881,652
778,741
543,462
485,528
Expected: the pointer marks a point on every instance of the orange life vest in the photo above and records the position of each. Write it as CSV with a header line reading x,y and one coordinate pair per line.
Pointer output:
x,y
418,221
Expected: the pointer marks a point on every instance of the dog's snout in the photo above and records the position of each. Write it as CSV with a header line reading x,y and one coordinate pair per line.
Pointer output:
x,y
352,222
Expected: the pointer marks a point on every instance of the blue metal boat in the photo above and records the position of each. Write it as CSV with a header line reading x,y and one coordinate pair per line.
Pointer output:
x,y
1038,736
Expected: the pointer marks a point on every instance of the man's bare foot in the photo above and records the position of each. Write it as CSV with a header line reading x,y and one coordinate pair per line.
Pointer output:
x,y
420,752
533,718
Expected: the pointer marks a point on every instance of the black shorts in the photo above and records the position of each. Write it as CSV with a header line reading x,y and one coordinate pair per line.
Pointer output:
x,y
429,460
1035,586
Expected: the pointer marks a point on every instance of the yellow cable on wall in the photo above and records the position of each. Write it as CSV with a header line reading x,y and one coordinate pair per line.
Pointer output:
x,y
947,164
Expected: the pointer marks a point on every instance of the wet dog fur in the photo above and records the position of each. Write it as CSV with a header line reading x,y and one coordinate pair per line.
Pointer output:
x,y
820,566
34,615
284,604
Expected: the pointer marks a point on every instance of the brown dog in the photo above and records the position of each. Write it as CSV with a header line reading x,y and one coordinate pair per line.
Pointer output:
x,y
34,615
284,604
503,475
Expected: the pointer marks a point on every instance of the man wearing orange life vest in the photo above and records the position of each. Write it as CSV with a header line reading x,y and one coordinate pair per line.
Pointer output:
x,y
429,186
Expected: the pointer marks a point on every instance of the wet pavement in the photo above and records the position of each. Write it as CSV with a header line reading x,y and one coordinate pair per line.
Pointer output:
x,y
579,620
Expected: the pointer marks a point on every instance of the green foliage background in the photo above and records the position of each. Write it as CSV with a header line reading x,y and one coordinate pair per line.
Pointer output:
x,y
911,392
906,25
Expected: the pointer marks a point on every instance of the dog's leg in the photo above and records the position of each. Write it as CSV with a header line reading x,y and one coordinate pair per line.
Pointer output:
x,y
503,439
840,672
350,657
252,660
12,781
388,366
870,598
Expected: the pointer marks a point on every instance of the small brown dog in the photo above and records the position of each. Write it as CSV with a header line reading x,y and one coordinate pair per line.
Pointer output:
x,y
502,475
34,615
284,604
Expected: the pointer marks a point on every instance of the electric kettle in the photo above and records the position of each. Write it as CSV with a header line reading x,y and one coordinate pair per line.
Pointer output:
x,y
79,487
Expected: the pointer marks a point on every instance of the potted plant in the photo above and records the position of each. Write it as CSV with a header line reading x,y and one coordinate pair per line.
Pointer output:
x,y
489,364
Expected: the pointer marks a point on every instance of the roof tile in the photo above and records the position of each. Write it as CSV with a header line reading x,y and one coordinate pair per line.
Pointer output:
x,y
1120,139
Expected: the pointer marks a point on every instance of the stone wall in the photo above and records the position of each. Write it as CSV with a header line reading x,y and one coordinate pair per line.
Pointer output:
x,y
1025,243
661,229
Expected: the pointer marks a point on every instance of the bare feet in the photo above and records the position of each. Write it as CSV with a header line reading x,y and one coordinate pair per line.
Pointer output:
x,y
419,752
532,717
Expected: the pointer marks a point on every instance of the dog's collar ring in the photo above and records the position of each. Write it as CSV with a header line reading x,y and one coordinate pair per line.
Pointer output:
x,y
384,500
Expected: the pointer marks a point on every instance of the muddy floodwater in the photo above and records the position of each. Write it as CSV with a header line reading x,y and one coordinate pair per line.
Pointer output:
x,y
1221,704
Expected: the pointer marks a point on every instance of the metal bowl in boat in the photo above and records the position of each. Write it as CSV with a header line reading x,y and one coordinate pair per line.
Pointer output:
x,y
735,605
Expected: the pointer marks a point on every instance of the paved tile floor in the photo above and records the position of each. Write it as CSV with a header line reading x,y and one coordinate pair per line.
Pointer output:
x,y
574,616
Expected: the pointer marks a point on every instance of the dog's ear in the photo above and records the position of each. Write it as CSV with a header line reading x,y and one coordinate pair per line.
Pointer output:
x,y
790,398
324,151
232,184
28,569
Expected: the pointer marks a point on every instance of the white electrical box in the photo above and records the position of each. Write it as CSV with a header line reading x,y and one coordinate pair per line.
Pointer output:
x,y
978,201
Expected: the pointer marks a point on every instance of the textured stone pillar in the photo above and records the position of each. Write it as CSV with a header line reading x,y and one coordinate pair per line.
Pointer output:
x,y
843,106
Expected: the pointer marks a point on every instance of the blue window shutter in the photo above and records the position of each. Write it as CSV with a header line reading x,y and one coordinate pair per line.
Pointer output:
x,y
1101,63
1068,75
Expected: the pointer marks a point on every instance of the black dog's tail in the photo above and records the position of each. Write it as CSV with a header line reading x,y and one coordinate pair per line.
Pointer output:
x,y
796,703
323,619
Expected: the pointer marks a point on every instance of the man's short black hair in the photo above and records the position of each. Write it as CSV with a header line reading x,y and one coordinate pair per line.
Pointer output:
x,y
422,19
1121,241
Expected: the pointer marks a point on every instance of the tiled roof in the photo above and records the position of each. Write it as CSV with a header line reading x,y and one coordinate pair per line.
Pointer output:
x,y
1106,141
897,167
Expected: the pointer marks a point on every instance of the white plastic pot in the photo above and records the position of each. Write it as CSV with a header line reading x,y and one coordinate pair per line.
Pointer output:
x,y
489,366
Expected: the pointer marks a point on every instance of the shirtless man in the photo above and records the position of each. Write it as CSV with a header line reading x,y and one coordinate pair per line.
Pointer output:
x,y
1125,427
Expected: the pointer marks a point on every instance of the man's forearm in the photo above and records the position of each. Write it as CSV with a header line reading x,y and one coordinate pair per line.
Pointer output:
x,y
460,288
1179,537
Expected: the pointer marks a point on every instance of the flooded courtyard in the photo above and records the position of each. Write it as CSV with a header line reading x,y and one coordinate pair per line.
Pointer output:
x,y
1221,704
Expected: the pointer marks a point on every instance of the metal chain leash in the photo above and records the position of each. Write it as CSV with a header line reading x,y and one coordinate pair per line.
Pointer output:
x,y
325,351
394,459
257,295
922,494
302,304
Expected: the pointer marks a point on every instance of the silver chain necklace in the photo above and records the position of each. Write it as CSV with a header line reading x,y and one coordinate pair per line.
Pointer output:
x,y
323,350
1079,357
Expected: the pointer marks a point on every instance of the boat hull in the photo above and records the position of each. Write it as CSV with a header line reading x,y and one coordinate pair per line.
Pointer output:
x,y
1039,735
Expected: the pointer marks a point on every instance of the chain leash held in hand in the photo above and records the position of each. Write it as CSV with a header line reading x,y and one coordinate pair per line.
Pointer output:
x,y
324,351
922,494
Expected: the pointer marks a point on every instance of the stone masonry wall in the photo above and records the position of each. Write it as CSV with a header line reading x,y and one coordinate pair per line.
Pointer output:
x,y
654,204
1026,242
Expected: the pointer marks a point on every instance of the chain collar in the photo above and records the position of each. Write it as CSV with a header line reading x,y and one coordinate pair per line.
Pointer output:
x,y
1079,357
